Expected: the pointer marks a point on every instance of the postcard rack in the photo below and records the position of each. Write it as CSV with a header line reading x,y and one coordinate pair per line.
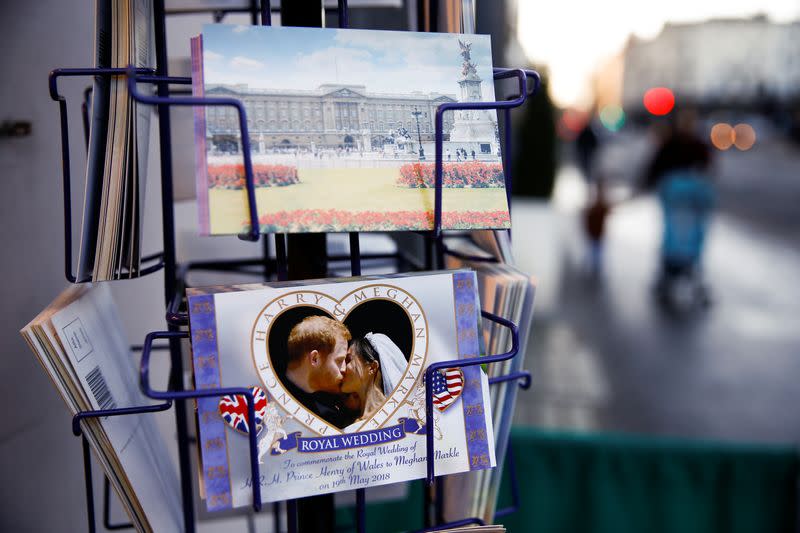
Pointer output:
x,y
175,275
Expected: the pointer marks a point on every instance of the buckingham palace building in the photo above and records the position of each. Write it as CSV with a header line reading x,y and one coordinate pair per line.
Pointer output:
x,y
333,116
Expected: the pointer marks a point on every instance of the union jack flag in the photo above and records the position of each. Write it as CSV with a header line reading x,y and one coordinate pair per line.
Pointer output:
x,y
233,410
447,386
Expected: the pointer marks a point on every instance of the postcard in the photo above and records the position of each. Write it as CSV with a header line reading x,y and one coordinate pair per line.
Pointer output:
x,y
509,293
337,372
80,341
341,127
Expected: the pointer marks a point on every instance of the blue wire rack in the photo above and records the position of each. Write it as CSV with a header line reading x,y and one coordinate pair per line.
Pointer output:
x,y
176,275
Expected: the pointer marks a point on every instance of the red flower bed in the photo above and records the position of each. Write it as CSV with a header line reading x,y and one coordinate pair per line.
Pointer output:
x,y
476,174
232,176
333,220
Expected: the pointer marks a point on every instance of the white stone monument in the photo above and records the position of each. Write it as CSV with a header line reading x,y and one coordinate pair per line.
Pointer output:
x,y
472,127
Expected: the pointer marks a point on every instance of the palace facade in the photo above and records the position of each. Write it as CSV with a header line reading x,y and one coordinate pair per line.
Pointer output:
x,y
331,117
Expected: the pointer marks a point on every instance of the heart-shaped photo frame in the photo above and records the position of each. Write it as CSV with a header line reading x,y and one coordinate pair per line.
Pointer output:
x,y
341,365
233,410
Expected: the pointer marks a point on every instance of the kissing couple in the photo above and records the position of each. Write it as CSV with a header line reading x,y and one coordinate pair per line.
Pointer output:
x,y
341,379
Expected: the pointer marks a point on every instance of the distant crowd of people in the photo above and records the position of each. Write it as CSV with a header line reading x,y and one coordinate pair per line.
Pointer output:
x,y
390,151
461,155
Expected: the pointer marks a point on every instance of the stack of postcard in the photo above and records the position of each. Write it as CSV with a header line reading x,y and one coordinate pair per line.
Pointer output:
x,y
336,368
110,246
80,342
342,130
507,292
495,243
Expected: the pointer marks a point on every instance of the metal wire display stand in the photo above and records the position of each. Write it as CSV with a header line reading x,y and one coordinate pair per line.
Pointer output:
x,y
175,274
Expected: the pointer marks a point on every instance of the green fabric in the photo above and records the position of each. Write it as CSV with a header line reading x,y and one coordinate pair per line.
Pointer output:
x,y
617,484
598,483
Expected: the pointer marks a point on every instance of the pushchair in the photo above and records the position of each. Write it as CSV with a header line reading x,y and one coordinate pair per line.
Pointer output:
x,y
687,201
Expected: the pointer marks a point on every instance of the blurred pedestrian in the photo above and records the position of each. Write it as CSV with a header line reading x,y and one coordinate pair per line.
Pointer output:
x,y
586,144
594,224
679,172
679,148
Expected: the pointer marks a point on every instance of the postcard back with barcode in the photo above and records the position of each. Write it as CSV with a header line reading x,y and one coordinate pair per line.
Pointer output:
x,y
98,351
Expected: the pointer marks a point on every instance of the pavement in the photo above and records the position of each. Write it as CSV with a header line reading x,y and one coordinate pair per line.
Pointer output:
x,y
606,357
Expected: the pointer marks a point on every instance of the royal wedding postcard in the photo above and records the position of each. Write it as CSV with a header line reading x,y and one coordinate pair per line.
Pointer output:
x,y
341,130
337,371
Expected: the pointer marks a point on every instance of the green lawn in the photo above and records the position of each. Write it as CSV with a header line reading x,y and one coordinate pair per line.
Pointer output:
x,y
357,189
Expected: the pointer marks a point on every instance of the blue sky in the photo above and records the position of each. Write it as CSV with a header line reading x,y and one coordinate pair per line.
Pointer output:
x,y
304,58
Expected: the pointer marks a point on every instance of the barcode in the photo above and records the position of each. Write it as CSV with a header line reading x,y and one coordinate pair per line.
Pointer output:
x,y
97,383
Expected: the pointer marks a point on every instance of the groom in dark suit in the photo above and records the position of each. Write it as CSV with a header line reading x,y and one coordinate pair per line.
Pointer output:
x,y
317,349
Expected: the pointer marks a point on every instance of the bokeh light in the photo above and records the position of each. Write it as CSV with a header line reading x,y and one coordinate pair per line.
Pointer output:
x,y
612,117
722,136
744,136
571,123
659,100
574,120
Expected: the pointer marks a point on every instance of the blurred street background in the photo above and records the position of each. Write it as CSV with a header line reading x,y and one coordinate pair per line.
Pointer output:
x,y
606,356
605,353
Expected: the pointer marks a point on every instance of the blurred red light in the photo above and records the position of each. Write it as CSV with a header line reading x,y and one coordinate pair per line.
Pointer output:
x,y
659,100
574,120
564,132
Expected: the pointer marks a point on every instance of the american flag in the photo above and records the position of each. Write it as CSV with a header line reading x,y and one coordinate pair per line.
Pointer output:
x,y
447,385
233,410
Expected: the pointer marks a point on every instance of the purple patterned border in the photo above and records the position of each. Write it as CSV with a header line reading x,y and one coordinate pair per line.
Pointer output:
x,y
466,301
213,443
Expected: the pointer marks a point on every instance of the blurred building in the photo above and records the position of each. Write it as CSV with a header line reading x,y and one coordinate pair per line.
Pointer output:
x,y
730,62
607,81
